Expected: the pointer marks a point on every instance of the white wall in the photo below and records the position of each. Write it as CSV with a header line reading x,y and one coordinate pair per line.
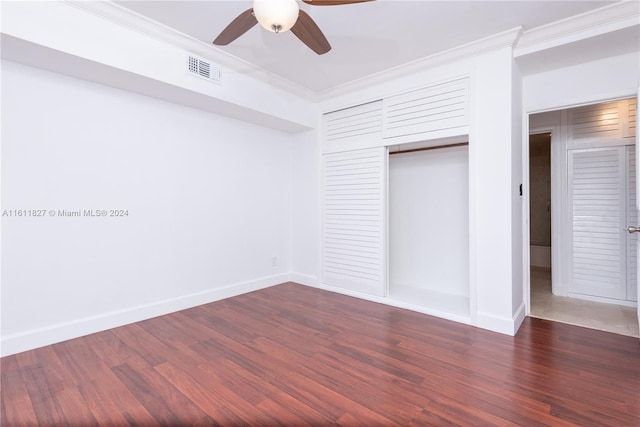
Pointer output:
x,y
428,220
495,182
209,202
145,57
305,224
588,82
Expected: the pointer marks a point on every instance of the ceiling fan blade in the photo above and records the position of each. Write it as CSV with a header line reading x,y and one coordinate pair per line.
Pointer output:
x,y
310,34
243,23
333,2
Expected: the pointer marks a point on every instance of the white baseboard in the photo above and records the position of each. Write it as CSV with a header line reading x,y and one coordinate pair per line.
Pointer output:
x,y
518,317
35,338
304,279
395,303
503,325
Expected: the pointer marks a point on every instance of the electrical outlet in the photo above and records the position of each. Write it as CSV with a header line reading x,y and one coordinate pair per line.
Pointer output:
x,y
274,261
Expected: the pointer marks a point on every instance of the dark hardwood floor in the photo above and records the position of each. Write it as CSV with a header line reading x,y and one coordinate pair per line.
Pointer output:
x,y
297,356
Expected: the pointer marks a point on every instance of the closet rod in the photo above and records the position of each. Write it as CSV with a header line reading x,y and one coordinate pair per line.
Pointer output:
x,y
461,144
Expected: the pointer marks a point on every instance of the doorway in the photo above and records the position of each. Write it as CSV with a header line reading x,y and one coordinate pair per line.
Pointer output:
x,y
540,212
540,222
582,278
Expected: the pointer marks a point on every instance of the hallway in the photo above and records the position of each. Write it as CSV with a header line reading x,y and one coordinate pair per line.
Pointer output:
x,y
605,317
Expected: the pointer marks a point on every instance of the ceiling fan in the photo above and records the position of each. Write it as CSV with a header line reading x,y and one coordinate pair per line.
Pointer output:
x,y
279,16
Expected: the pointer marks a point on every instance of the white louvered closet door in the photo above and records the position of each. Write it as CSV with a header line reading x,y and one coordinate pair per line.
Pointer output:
x,y
632,219
597,199
354,211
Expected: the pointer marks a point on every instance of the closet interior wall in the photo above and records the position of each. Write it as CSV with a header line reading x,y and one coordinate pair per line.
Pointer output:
x,y
428,227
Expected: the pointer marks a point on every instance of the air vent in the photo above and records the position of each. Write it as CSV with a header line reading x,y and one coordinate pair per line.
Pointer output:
x,y
204,69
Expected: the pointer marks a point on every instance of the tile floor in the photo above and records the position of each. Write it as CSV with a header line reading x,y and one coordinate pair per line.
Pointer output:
x,y
605,317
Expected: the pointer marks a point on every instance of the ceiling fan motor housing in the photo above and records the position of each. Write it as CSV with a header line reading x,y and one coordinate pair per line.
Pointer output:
x,y
276,15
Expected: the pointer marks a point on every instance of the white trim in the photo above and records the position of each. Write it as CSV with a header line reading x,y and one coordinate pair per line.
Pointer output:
x,y
526,215
304,279
385,233
395,303
519,316
503,325
593,23
320,137
637,145
473,204
583,100
559,213
463,52
39,337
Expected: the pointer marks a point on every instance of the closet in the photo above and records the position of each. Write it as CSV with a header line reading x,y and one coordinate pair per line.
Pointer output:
x,y
601,168
428,227
395,199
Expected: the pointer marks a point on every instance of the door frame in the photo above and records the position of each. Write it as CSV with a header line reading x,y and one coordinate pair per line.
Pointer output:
x,y
559,271
558,190
637,145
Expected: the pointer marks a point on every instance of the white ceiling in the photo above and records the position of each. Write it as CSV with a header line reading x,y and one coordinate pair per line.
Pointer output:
x,y
367,38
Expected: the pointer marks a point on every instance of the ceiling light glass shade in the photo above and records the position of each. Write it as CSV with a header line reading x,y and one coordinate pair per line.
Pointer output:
x,y
276,15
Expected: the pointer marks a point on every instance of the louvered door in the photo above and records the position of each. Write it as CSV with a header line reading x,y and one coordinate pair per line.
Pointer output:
x,y
632,219
352,128
597,195
354,211
434,108
632,115
595,122
609,120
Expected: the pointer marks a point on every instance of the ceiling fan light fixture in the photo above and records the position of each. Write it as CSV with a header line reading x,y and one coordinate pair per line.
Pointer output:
x,y
276,16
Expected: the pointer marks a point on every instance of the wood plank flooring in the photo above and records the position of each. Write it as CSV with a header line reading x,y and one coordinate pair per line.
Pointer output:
x,y
297,356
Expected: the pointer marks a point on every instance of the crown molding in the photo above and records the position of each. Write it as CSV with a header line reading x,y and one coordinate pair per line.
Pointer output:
x,y
497,41
596,22
593,23
134,21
